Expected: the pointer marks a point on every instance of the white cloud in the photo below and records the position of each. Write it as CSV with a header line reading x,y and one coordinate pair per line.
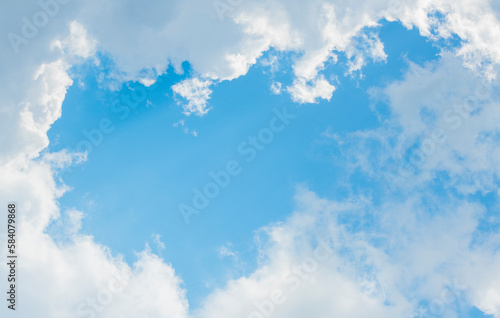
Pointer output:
x,y
420,245
157,240
444,119
77,43
369,45
226,49
181,123
27,118
197,93
382,270
147,38
472,21
77,271
301,273
447,97
304,91
276,88
369,271
227,251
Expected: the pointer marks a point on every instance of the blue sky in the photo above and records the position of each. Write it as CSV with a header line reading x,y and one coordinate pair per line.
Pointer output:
x,y
135,179
386,161
133,182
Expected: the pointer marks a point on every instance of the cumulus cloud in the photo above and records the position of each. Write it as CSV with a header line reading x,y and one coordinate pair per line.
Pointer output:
x,y
276,88
197,93
443,120
401,264
78,43
82,275
443,127
366,44
28,118
227,251
224,50
303,91
445,98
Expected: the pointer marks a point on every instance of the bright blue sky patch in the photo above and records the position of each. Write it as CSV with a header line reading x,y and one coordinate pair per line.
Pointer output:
x,y
142,167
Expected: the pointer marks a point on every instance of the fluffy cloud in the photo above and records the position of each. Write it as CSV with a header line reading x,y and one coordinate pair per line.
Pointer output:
x,y
26,119
444,120
226,49
402,264
83,276
449,100
304,92
316,262
197,93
